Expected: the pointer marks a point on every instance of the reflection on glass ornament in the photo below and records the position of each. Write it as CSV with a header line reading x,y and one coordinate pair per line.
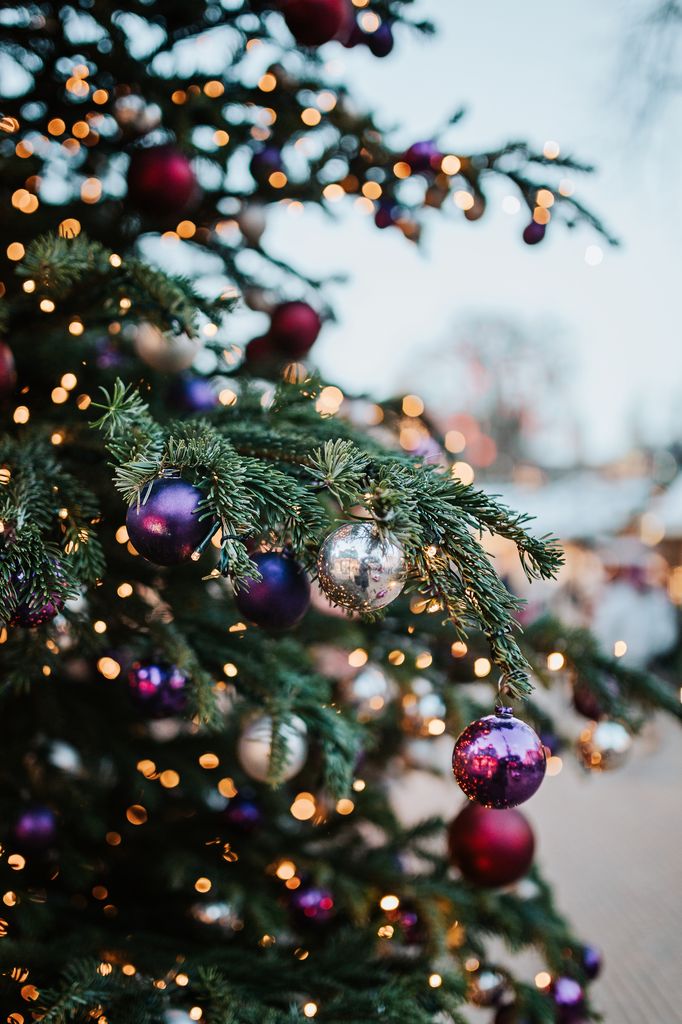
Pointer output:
x,y
499,760
166,353
604,745
35,828
368,692
360,569
255,746
221,915
65,757
134,113
313,904
158,688
486,987
424,710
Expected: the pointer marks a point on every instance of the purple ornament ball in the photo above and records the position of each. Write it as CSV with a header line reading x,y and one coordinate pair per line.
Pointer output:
x,y
165,528
386,215
423,157
533,233
35,828
381,42
498,760
244,814
157,688
312,903
568,997
281,598
591,961
193,394
31,611
265,162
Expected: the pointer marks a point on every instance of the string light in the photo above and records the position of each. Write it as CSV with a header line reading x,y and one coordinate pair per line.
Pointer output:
x,y
358,658
555,661
389,902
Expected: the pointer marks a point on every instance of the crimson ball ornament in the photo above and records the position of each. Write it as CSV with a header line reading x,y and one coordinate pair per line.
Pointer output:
x,y
423,157
35,828
313,904
158,688
498,760
294,328
281,598
165,527
264,162
533,233
314,22
161,180
491,847
8,374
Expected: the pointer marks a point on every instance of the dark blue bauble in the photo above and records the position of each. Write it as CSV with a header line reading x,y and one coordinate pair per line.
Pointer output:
x,y
591,961
244,813
265,162
35,828
157,688
312,904
381,42
193,394
281,598
166,529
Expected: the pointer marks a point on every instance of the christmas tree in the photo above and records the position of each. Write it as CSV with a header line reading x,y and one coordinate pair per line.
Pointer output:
x,y
232,608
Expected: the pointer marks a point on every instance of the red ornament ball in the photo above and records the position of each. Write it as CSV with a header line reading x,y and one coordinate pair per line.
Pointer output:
x,y
8,375
499,760
490,847
259,352
161,180
314,22
294,328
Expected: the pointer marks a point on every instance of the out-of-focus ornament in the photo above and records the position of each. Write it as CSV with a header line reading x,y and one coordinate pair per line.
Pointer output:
x,y
533,233
387,214
588,703
32,610
381,42
312,904
8,373
161,181
35,828
158,688
314,22
491,847
423,157
66,758
255,747
568,997
368,692
422,707
192,394
281,598
294,328
218,914
165,527
476,211
498,760
244,813
252,222
359,569
165,353
604,745
134,114
260,354
486,987
408,920
264,162
591,962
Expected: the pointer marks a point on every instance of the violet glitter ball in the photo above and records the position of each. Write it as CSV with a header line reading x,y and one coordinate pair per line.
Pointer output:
x,y
35,828
498,760
281,598
313,904
165,528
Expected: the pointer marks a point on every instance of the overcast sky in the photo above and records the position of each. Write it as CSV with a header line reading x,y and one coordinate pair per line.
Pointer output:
x,y
539,72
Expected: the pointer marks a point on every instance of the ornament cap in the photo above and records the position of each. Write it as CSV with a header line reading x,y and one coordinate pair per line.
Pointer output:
x,y
502,711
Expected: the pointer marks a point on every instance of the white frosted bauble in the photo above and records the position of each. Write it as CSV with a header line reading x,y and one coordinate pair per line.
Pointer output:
x,y
255,746
166,353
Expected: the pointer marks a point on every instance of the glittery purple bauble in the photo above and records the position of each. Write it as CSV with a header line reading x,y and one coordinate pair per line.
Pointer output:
x,y
265,162
381,42
568,997
281,598
159,689
193,394
533,233
591,962
165,528
423,157
311,903
30,611
590,704
35,828
244,814
498,760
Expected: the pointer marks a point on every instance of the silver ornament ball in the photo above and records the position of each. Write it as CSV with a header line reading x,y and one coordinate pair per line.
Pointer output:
x,y
359,569
368,692
255,747
486,987
163,352
604,745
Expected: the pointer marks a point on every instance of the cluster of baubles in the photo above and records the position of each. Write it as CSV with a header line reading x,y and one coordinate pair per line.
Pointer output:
x,y
32,610
158,689
293,330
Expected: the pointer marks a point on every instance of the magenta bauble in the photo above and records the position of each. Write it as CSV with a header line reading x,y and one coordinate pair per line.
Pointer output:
x,y
314,22
498,760
491,847
161,181
294,328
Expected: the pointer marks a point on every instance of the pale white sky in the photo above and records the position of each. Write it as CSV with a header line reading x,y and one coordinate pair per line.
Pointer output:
x,y
539,72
